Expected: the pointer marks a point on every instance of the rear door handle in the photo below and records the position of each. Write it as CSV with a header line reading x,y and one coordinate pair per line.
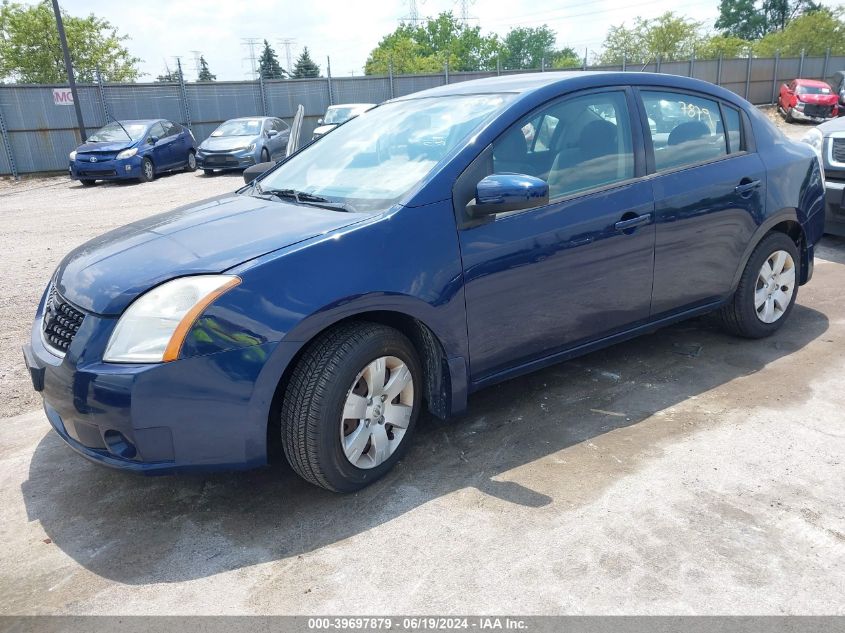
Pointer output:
x,y
632,223
747,186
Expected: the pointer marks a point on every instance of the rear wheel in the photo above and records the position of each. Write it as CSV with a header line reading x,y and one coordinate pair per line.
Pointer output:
x,y
351,405
191,165
766,291
148,171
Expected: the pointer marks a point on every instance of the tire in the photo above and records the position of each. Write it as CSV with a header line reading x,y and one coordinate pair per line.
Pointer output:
x,y
265,156
742,315
208,172
191,164
788,116
88,183
328,381
148,171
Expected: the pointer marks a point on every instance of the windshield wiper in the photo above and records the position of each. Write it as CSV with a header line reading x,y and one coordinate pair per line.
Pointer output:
x,y
301,197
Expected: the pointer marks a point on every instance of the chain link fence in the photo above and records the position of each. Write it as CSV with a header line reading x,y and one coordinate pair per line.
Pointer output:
x,y
37,135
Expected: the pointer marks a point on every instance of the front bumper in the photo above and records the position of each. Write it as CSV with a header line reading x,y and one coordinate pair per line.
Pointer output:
x,y
201,413
225,160
834,213
125,168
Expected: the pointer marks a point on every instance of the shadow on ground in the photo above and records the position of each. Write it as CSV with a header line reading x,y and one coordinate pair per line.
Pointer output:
x,y
137,530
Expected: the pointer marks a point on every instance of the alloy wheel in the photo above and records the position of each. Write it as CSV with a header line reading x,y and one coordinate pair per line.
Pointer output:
x,y
377,412
775,286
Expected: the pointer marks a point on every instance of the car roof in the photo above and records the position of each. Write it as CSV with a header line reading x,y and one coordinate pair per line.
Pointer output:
x,y
352,105
251,118
139,121
550,83
812,82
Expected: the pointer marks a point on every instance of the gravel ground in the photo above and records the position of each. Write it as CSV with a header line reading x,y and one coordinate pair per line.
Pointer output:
x,y
43,219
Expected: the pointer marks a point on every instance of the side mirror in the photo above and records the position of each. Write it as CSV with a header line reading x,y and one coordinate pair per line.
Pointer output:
x,y
153,140
319,121
272,133
499,193
251,173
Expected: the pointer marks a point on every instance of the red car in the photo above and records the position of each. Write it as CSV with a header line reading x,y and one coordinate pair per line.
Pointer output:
x,y
807,100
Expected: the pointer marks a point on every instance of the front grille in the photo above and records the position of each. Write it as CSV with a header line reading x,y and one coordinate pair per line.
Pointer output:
x,y
839,150
818,110
61,322
97,172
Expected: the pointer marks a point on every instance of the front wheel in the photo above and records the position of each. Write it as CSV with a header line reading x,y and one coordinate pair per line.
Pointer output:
x,y
766,291
148,171
788,115
265,156
350,406
88,183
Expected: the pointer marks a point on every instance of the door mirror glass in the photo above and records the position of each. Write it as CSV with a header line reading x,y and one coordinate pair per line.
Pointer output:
x,y
251,173
272,133
499,193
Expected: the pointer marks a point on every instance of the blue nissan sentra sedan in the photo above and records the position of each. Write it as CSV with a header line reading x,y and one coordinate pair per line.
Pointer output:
x,y
444,242
133,150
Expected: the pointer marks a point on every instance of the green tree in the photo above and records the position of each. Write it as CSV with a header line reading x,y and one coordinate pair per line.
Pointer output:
x,y
752,20
811,32
670,36
427,47
168,76
268,63
722,45
205,74
530,47
30,51
305,66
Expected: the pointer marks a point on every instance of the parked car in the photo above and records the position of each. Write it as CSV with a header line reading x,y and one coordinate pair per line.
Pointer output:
x,y
807,100
338,114
837,84
239,143
828,141
415,255
138,149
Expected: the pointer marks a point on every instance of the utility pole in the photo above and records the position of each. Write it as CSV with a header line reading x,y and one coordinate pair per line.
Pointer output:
x,y
250,43
69,68
287,42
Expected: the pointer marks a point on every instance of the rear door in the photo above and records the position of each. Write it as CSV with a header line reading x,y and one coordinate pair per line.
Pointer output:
x,y
709,192
174,144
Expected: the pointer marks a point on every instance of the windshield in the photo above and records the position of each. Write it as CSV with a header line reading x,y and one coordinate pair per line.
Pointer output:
x,y
372,161
339,115
113,132
239,127
813,90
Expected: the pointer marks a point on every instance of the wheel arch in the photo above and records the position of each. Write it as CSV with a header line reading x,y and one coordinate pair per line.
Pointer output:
x,y
437,388
785,221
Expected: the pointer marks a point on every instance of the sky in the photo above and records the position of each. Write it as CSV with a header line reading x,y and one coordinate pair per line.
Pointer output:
x,y
344,30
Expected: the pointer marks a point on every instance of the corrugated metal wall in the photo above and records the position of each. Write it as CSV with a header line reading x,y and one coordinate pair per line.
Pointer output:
x,y
41,134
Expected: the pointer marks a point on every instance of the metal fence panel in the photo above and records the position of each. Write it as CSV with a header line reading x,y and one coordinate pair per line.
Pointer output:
x,y
42,133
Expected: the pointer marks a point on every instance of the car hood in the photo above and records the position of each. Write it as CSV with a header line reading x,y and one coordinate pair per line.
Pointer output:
x,y
109,147
830,99
322,129
222,143
107,273
834,125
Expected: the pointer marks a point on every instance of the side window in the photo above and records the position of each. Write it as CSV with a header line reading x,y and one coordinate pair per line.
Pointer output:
x,y
157,130
684,129
575,144
734,128
279,125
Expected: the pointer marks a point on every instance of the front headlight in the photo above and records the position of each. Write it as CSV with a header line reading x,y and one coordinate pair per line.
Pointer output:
x,y
127,153
154,326
814,139
72,155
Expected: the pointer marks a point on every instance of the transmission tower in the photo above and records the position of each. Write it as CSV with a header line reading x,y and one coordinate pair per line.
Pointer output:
x,y
197,55
413,16
250,43
463,11
287,43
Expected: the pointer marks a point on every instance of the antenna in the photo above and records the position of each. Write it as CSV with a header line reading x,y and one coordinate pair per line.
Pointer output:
x,y
287,42
250,43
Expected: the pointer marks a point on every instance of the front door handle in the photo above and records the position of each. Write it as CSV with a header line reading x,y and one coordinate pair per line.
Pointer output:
x,y
746,186
632,223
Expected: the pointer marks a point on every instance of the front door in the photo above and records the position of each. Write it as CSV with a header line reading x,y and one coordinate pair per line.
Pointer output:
x,y
577,269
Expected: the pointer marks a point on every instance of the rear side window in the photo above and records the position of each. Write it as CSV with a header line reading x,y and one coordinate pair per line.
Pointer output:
x,y
684,129
734,128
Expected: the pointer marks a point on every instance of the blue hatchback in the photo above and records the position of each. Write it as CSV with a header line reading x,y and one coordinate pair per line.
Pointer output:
x,y
136,150
442,242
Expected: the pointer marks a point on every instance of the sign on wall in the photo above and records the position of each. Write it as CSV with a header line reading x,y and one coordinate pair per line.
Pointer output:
x,y
62,96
